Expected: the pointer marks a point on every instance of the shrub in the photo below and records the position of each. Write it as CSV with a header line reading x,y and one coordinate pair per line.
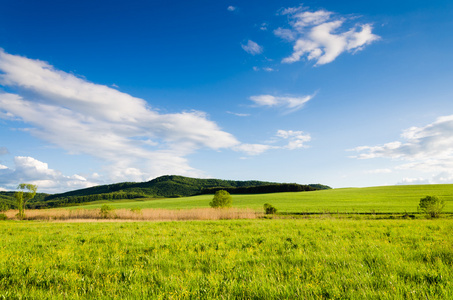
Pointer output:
x,y
269,209
106,211
221,199
431,205
3,217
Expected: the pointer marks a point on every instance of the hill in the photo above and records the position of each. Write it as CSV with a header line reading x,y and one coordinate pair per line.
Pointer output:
x,y
7,199
169,186
385,199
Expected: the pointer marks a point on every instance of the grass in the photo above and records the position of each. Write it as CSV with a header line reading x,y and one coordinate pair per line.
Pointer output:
x,y
234,259
388,199
135,214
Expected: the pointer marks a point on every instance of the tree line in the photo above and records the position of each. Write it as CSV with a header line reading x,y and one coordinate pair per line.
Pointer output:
x,y
74,200
263,189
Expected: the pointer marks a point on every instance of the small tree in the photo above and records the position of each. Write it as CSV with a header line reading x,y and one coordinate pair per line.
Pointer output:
x,y
23,197
431,205
269,209
221,199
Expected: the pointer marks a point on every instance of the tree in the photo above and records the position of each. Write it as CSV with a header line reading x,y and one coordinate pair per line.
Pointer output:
x,y
221,199
431,205
23,197
269,209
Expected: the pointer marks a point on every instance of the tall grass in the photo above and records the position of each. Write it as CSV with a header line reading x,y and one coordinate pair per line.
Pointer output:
x,y
231,259
138,214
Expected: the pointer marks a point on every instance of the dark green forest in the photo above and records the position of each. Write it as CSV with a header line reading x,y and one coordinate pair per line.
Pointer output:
x,y
162,187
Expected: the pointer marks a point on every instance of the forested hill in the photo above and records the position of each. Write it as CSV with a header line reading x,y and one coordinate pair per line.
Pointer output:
x,y
165,186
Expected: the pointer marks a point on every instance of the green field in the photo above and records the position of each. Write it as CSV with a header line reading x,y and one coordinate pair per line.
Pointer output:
x,y
254,259
388,199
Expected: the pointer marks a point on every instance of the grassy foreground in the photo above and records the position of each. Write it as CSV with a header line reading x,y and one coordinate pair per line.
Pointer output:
x,y
386,199
244,259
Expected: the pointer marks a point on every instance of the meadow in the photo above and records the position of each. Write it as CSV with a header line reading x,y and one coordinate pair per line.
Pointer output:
x,y
229,259
341,251
387,199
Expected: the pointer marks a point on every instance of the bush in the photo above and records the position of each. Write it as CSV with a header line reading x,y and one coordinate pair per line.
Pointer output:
x,y
106,211
221,199
3,217
431,205
269,209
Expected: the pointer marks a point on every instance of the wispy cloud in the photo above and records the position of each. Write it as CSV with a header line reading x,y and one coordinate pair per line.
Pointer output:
x,y
238,114
283,139
322,36
82,117
252,48
289,103
266,69
231,8
428,148
135,141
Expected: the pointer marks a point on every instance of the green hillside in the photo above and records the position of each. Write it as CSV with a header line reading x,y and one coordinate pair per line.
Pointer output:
x,y
7,199
170,186
387,199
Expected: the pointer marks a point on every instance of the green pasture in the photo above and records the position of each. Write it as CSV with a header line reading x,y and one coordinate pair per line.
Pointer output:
x,y
387,199
251,259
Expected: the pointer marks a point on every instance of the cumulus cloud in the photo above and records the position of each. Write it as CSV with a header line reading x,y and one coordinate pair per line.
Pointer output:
x,y
322,36
30,170
428,148
252,48
82,117
135,141
289,103
296,139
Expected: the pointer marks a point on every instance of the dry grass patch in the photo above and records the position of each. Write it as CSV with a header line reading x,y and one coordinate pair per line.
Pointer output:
x,y
137,215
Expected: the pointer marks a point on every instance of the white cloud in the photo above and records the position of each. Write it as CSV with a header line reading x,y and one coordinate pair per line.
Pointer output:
x,y
238,114
414,181
321,36
288,140
430,144
290,103
135,141
296,139
427,149
30,170
83,117
231,8
252,48
285,34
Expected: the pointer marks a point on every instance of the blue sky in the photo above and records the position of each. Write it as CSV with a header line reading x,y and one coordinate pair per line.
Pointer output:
x,y
344,93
